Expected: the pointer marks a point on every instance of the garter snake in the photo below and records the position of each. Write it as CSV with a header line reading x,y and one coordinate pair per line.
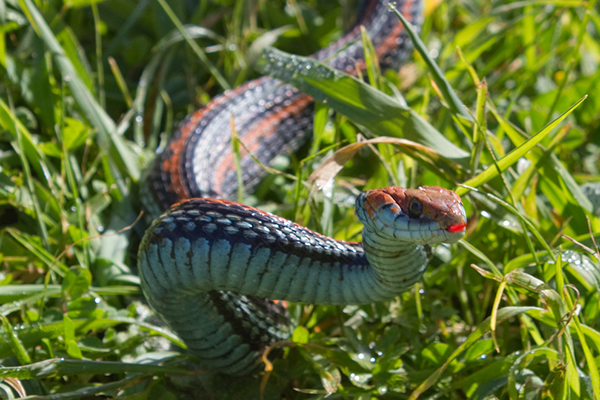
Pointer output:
x,y
208,265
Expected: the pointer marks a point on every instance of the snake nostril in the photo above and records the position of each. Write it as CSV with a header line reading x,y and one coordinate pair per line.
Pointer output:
x,y
386,206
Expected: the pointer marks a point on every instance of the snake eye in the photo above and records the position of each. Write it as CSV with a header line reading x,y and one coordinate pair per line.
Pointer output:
x,y
415,208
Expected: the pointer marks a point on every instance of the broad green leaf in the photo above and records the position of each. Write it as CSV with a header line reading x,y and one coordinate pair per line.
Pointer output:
x,y
74,134
361,103
60,367
69,329
479,350
77,282
300,335
73,350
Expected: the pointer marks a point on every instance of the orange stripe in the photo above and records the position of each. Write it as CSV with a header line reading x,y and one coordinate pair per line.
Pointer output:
x,y
267,126
265,129
172,165
390,42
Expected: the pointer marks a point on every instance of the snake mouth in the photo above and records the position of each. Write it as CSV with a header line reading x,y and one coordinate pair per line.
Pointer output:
x,y
456,228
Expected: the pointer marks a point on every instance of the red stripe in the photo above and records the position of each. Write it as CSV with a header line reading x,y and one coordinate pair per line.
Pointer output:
x,y
172,165
251,139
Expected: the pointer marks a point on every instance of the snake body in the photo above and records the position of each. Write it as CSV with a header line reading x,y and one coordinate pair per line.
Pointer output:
x,y
269,116
208,265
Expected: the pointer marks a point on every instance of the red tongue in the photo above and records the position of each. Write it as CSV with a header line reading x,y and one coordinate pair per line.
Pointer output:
x,y
456,228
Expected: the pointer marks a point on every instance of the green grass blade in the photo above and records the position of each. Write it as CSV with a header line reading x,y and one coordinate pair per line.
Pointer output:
x,y
519,138
484,327
161,53
330,166
526,221
512,157
479,127
32,336
34,155
199,52
371,62
11,293
27,242
113,144
450,96
15,343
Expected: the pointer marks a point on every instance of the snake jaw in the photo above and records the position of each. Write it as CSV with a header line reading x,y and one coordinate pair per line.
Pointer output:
x,y
390,211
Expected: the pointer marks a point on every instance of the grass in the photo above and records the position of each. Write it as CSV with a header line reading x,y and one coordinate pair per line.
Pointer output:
x,y
90,89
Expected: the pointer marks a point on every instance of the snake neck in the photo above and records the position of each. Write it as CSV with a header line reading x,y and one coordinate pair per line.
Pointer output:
x,y
395,265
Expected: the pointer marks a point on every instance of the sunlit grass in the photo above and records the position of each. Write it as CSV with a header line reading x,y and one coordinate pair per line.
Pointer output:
x,y
512,311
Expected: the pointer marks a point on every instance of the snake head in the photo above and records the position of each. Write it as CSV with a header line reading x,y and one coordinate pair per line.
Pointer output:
x,y
426,215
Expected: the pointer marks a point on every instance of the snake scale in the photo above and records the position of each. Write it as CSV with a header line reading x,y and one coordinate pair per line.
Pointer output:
x,y
209,266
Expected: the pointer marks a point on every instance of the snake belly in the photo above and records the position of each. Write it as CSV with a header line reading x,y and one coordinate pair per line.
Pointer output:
x,y
208,266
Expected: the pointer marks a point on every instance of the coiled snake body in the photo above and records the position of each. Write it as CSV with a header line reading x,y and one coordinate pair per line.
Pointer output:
x,y
208,265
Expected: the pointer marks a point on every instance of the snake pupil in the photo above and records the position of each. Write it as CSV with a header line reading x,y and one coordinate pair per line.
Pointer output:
x,y
415,208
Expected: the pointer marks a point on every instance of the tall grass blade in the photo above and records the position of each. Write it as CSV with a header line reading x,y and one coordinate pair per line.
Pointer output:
x,y
484,327
512,157
113,144
450,96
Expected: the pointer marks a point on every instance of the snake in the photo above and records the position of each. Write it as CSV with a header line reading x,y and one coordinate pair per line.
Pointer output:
x,y
219,273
